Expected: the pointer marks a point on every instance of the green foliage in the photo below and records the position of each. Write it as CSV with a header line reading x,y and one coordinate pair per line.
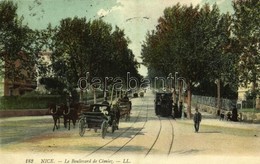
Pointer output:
x,y
249,110
29,102
193,41
80,46
208,88
54,85
251,95
17,43
77,46
247,35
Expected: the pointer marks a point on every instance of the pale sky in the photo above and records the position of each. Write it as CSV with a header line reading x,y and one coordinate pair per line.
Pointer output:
x,y
136,17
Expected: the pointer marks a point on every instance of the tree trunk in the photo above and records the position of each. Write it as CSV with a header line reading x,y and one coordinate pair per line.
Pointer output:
x,y
218,95
189,101
254,85
174,96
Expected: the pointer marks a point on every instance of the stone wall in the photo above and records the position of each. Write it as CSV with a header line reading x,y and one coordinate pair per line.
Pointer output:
x,y
251,117
246,116
208,109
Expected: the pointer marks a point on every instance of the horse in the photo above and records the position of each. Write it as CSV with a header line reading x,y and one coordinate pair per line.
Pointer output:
x,y
56,113
71,113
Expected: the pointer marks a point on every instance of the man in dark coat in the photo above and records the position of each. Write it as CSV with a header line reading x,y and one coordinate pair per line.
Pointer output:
x,y
234,114
197,120
175,110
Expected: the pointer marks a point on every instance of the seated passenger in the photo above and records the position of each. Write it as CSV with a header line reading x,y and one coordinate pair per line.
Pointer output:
x,y
96,109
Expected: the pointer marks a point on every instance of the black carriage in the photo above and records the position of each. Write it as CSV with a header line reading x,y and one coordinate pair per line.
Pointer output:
x,y
99,116
135,95
163,104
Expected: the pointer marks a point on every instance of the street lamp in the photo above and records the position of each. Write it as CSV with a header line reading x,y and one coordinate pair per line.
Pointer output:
x,y
175,78
176,85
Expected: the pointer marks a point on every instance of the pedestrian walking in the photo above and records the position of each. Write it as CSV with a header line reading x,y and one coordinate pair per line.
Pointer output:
x,y
229,116
234,114
197,120
222,115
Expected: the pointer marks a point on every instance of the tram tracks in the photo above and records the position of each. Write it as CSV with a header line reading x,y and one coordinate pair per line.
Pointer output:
x,y
157,137
172,138
159,133
133,136
154,145
122,133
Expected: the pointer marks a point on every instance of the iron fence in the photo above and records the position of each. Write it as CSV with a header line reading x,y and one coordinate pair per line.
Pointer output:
x,y
225,104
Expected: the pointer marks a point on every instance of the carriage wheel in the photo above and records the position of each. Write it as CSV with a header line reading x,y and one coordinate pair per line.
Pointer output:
x,y
113,126
82,126
104,128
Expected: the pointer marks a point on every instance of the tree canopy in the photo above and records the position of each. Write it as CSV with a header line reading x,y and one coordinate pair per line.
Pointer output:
x,y
246,23
17,44
79,46
193,41
76,46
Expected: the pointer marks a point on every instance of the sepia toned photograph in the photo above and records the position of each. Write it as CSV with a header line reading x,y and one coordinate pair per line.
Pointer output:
x,y
129,81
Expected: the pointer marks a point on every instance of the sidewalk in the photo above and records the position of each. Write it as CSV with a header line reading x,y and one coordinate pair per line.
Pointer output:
x,y
210,119
216,138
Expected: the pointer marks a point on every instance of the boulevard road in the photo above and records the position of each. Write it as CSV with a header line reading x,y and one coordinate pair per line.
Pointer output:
x,y
145,138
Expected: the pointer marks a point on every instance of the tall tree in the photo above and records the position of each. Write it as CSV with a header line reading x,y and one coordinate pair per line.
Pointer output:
x,y
18,48
221,60
246,20
80,46
192,41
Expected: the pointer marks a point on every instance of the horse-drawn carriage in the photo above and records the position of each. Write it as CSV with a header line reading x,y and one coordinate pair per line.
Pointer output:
x,y
124,107
98,117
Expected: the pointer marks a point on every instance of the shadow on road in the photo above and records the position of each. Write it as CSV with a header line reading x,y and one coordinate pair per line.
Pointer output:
x,y
187,152
210,132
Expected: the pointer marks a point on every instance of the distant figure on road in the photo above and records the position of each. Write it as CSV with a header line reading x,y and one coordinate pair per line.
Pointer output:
x,y
229,116
197,120
222,115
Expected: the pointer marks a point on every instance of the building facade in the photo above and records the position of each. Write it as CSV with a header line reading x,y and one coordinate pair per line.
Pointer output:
x,y
18,79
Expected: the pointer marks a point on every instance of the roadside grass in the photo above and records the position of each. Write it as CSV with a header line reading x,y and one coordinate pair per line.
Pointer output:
x,y
251,110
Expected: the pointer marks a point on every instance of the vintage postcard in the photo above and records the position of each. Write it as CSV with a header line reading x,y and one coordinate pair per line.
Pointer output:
x,y
129,81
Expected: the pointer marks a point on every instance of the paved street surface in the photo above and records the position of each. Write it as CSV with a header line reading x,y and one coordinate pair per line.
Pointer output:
x,y
146,138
